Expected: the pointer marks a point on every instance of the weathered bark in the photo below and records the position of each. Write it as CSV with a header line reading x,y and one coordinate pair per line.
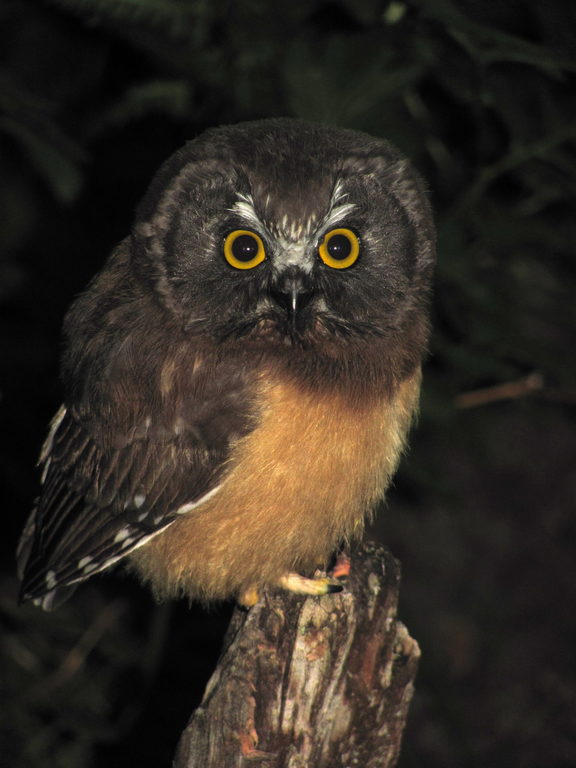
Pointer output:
x,y
310,682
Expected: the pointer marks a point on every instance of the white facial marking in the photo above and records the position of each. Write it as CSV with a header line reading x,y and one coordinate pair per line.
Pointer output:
x,y
338,209
244,207
294,238
337,214
292,232
294,254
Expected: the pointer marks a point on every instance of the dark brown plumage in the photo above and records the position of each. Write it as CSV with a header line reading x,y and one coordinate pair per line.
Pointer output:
x,y
241,375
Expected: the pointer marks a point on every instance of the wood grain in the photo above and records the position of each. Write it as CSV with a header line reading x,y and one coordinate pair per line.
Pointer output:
x,y
310,683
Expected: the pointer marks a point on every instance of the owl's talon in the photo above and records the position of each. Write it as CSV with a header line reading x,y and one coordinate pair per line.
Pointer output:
x,y
300,585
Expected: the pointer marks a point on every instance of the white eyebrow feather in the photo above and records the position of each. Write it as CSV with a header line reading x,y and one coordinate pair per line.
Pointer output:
x,y
244,207
337,214
338,208
294,231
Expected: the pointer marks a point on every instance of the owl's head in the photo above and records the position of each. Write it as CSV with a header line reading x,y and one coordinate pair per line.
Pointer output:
x,y
282,233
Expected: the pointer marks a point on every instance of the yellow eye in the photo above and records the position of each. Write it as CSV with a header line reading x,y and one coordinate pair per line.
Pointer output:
x,y
340,248
243,249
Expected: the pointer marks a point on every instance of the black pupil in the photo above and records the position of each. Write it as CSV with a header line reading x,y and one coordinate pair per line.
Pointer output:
x,y
339,246
245,247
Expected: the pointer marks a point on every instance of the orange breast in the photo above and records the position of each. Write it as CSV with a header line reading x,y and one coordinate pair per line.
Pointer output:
x,y
297,485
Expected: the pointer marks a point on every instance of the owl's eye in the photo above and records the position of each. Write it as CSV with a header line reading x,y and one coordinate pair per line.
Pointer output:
x,y
243,249
340,248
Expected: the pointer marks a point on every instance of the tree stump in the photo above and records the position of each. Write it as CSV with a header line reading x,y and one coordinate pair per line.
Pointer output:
x,y
316,682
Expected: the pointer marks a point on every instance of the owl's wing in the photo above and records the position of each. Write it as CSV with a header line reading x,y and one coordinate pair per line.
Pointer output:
x,y
98,505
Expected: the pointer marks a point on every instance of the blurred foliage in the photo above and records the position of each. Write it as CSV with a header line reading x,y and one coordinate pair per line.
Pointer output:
x,y
94,94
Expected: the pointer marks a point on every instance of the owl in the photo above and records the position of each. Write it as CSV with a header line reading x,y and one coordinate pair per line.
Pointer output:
x,y
241,375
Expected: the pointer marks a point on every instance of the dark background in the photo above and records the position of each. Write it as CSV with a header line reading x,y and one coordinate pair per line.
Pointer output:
x,y
94,94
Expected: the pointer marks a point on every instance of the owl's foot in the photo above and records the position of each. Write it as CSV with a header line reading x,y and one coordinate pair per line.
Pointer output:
x,y
299,585
323,585
249,597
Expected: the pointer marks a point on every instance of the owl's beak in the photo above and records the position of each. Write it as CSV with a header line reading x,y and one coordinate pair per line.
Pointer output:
x,y
292,290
